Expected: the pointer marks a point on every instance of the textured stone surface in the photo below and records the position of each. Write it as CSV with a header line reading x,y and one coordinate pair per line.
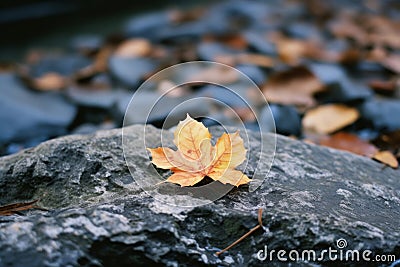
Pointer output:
x,y
97,217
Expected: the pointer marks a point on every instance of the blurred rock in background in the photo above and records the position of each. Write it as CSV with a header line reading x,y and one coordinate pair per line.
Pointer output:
x,y
72,66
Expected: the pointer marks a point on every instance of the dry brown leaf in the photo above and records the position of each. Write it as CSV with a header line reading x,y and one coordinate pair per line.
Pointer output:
x,y
392,62
181,16
382,31
255,59
295,86
329,118
349,56
101,60
235,41
137,47
6,67
11,209
346,27
387,158
388,141
368,30
381,86
246,114
216,74
196,158
168,88
291,50
377,54
349,142
33,56
230,60
50,81
246,58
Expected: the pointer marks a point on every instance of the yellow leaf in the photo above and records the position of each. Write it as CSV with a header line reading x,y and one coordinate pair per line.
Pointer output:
x,y
196,158
230,151
185,178
230,176
386,157
188,137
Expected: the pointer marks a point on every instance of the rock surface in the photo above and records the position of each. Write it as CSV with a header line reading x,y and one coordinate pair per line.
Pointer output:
x,y
312,197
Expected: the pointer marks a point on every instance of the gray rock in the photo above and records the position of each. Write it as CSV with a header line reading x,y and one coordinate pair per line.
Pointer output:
x,y
129,71
153,107
287,119
259,43
99,217
328,73
182,32
346,91
303,30
253,72
87,43
96,98
65,65
210,50
235,15
382,114
26,115
147,25
232,95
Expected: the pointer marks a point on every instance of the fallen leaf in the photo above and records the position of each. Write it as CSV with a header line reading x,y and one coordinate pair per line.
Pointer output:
x,y
101,60
392,62
382,31
291,50
329,118
235,41
6,67
348,56
347,27
168,88
137,47
216,74
387,158
227,59
388,141
181,16
349,142
246,114
246,58
33,56
50,81
385,87
376,54
295,86
255,59
196,158
11,209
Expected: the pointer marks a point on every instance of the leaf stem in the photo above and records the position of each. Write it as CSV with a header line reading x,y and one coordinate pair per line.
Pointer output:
x,y
260,210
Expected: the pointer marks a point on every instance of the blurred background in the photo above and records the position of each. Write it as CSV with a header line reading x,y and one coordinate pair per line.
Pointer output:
x,y
329,69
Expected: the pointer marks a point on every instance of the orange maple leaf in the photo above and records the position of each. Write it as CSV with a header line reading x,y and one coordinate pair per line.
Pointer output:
x,y
197,158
